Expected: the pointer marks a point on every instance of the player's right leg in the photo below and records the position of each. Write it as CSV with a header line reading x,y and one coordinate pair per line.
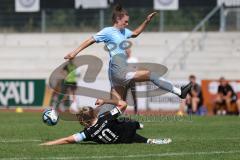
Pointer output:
x,y
146,75
159,141
140,139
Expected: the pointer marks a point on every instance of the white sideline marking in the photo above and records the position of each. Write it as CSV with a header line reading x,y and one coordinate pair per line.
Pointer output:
x,y
18,140
173,154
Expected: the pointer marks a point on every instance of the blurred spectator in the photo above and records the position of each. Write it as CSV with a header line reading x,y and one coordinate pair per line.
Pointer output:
x,y
55,99
66,86
69,86
225,98
194,100
70,82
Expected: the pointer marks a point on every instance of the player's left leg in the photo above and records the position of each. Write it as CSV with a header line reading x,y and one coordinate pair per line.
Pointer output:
x,y
132,87
117,92
134,96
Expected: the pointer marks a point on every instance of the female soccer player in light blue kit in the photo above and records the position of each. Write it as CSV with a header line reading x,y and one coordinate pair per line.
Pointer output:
x,y
119,73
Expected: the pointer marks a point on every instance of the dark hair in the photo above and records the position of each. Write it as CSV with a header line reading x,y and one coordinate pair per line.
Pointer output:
x,y
221,78
118,12
86,115
192,76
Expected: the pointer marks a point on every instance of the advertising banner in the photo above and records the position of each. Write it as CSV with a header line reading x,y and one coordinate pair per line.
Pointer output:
x,y
229,3
91,4
22,92
166,4
27,5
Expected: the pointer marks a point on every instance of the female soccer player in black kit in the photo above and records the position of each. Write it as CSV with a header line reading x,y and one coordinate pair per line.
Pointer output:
x,y
106,128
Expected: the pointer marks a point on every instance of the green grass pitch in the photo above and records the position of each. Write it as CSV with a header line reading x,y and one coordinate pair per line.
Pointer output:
x,y
193,138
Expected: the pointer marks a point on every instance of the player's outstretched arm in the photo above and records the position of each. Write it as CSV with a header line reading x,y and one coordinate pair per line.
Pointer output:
x,y
82,46
139,30
122,105
66,140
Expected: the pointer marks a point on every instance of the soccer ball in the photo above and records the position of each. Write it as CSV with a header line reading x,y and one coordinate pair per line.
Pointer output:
x,y
50,117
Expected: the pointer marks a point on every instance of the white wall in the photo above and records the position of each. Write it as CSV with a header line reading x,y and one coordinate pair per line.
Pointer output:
x,y
37,55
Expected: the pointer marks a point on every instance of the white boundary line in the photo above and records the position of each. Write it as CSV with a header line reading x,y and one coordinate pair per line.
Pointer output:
x,y
173,154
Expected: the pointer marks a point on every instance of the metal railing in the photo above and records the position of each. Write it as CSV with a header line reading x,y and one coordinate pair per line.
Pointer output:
x,y
85,20
186,50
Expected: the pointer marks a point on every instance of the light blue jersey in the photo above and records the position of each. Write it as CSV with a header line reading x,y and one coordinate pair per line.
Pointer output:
x,y
113,38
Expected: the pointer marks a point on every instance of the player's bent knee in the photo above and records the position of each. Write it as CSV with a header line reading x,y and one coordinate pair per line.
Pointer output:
x,y
147,73
142,74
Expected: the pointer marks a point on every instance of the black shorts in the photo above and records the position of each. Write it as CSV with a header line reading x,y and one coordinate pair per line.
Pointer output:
x,y
69,85
128,130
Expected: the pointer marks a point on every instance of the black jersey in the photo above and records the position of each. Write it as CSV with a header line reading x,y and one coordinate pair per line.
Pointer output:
x,y
109,129
225,89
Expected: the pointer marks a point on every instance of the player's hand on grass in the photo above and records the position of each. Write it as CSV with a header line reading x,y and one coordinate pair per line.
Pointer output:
x,y
99,102
150,16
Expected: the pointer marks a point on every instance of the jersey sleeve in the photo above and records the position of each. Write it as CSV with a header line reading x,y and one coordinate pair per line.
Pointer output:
x,y
81,136
111,115
128,33
101,36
